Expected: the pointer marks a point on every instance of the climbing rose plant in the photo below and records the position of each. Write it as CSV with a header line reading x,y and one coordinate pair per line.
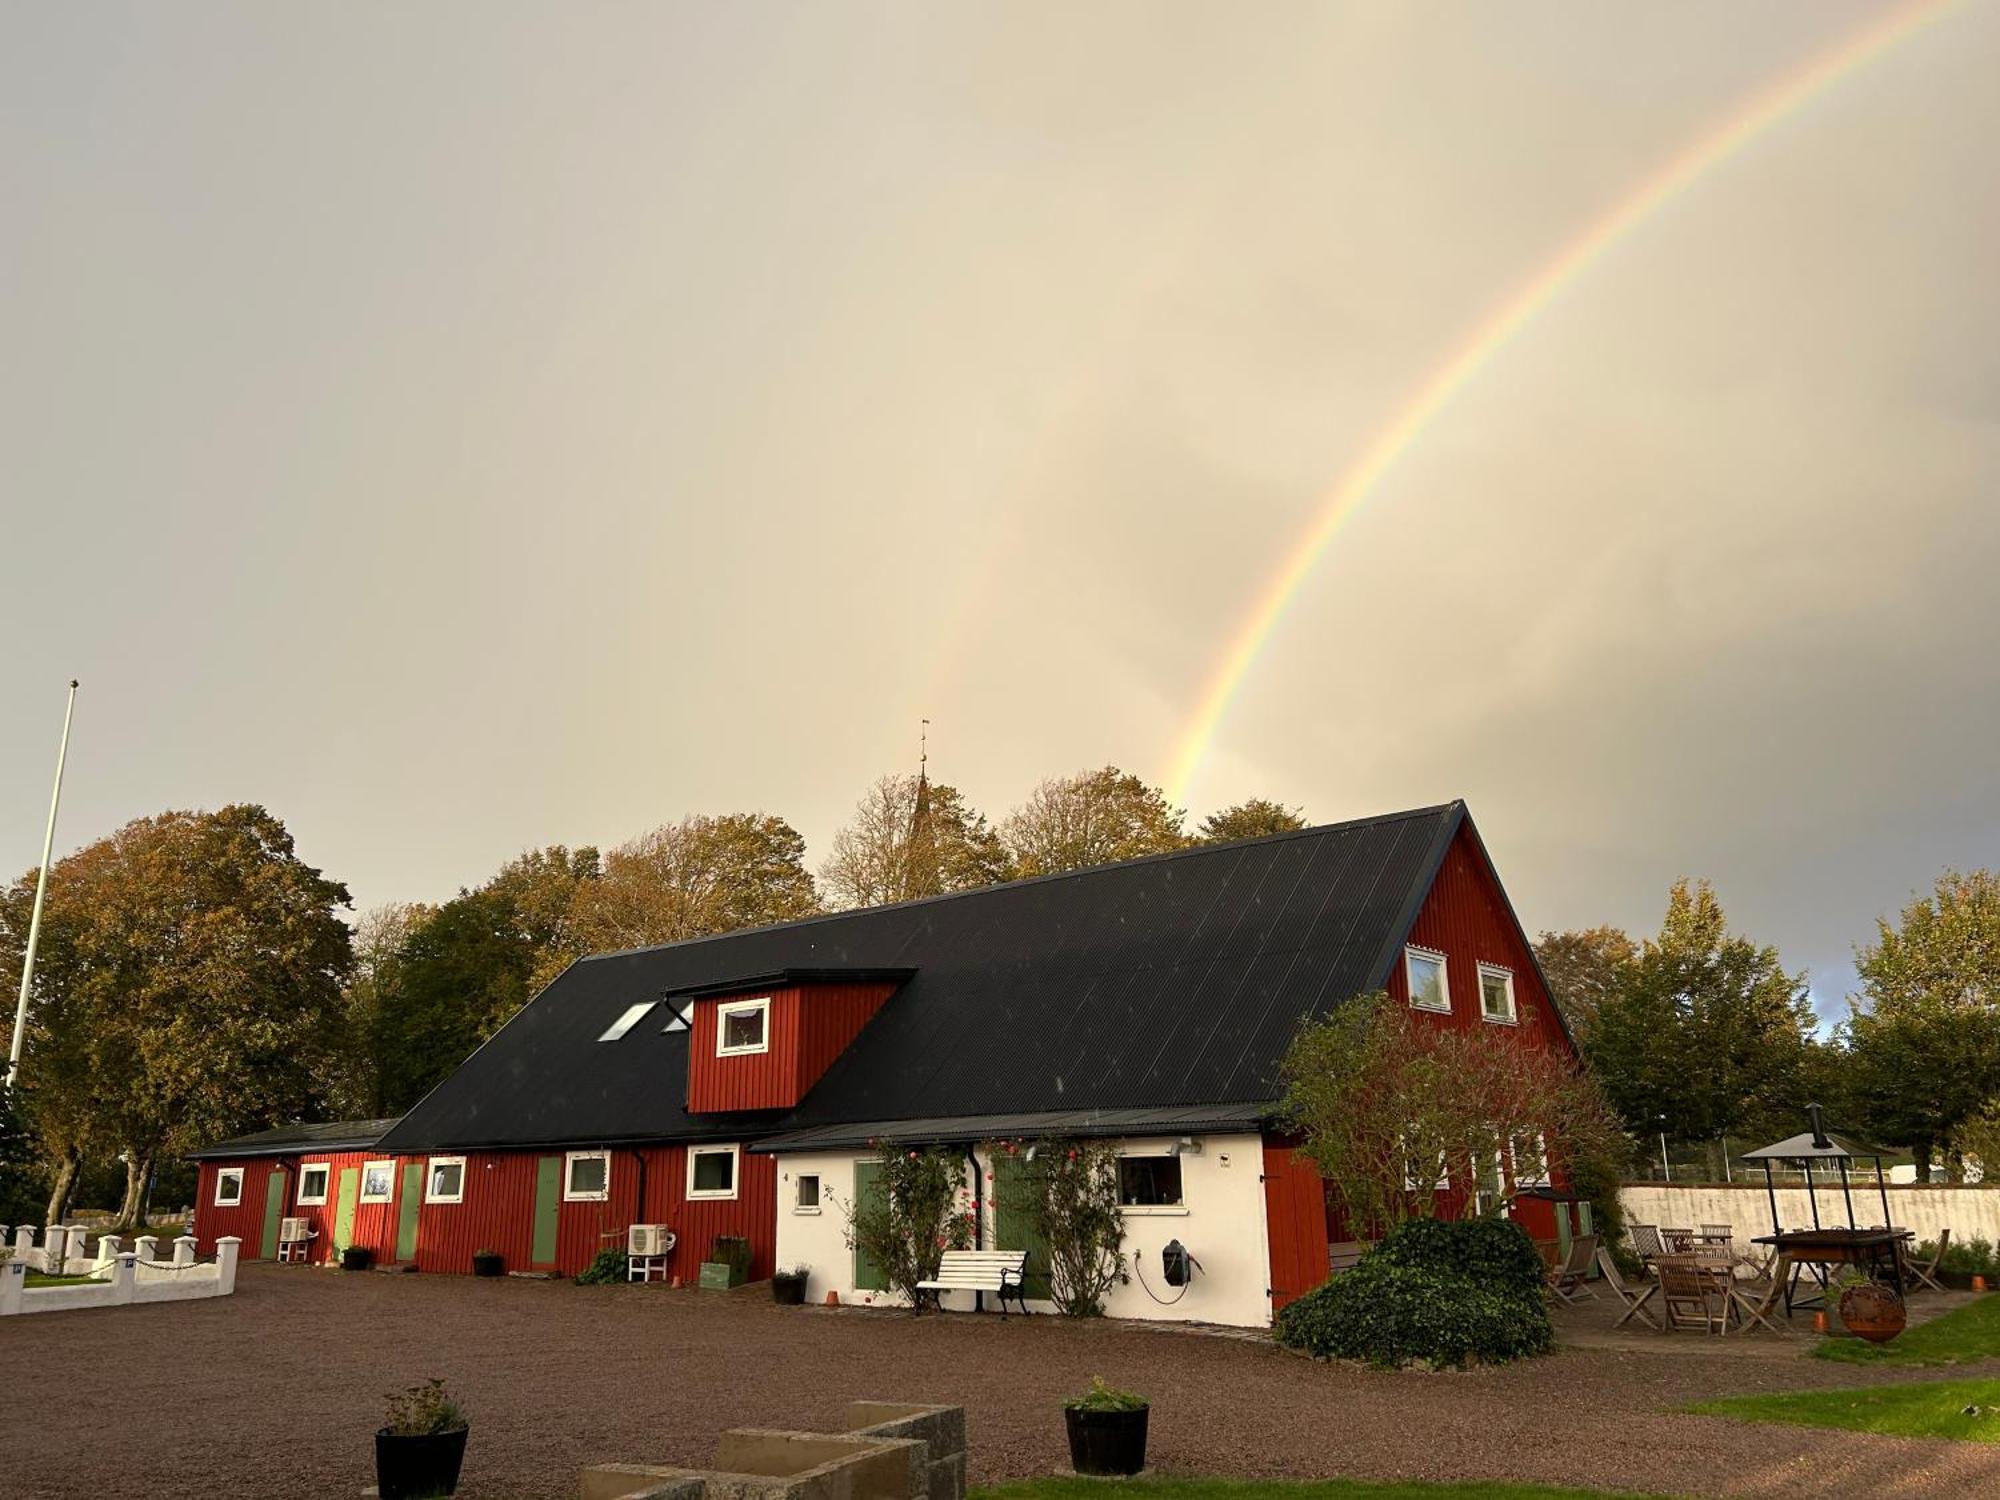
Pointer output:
x,y
917,1211
1069,1195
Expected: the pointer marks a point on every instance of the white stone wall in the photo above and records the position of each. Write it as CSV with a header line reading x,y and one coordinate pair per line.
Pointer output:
x,y
127,1276
1221,1223
1970,1212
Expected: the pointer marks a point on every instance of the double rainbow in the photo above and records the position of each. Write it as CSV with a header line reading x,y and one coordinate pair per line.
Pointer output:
x,y
1771,104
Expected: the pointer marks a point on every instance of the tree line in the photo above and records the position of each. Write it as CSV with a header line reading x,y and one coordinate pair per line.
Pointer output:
x,y
197,979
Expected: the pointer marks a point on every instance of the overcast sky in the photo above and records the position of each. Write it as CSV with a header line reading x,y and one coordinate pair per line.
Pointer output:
x,y
466,427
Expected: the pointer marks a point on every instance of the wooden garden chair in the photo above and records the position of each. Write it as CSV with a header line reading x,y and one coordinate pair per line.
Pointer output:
x,y
1646,1243
1635,1299
1693,1293
1921,1274
1677,1240
1568,1281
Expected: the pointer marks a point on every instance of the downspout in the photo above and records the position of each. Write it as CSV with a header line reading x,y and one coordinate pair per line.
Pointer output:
x,y
639,1195
978,1217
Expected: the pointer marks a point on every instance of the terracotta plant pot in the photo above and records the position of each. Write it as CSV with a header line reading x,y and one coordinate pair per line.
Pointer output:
x,y
1978,1283
418,1467
1873,1312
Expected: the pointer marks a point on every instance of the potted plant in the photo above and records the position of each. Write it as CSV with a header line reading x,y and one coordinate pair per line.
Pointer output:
x,y
1107,1430
418,1452
356,1258
788,1288
488,1263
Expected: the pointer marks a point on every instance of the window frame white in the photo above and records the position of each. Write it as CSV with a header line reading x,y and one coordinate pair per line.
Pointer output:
x,y
1443,1183
1541,1142
570,1193
431,1194
308,1200
735,1154
229,1174
799,1181
1412,952
630,1017
1506,977
388,1194
761,1007
1165,1210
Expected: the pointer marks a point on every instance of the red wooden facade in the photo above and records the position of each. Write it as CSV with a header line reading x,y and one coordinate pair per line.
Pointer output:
x,y
1465,917
809,1026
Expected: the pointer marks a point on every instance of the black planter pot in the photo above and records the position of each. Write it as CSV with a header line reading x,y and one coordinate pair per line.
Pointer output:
x,y
417,1468
488,1265
788,1291
356,1258
1107,1442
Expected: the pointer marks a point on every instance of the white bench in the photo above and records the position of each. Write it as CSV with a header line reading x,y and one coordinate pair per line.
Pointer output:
x,y
1000,1271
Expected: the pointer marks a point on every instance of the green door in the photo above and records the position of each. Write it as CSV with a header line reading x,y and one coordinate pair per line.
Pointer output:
x,y
406,1220
274,1208
1013,1229
868,1190
548,1195
343,1213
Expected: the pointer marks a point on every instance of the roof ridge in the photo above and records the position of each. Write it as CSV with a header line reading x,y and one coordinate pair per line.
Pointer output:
x,y
982,890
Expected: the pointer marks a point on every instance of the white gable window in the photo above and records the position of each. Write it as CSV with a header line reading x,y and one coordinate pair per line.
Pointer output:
x,y
1430,985
1496,993
743,1026
378,1181
712,1172
444,1180
312,1183
586,1176
632,1017
228,1187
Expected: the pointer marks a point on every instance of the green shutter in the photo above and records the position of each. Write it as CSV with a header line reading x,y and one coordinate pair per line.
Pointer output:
x,y
548,1196
274,1208
868,1190
1013,1228
406,1222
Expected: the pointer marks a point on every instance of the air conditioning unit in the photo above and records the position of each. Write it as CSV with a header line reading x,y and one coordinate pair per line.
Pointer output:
x,y
649,1239
290,1231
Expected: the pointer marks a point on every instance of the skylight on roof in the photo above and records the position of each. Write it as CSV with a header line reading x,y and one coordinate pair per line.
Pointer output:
x,y
677,1021
632,1017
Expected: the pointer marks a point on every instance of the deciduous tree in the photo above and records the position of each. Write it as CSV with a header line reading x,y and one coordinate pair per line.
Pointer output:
x,y
1583,968
690,879
1093,818
1251,819
893,849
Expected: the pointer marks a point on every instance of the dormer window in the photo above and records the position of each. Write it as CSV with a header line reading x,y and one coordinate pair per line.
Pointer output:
x,y
743,1026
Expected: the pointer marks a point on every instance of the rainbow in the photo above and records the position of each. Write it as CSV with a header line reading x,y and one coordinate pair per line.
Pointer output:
x,y
1498,328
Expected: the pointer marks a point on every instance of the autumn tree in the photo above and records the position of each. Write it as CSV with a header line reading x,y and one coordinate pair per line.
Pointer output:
x,y
356,1083
908,838
1583,968
694,878
1925,1031
1093,818
192,962
1704,1032
1251,819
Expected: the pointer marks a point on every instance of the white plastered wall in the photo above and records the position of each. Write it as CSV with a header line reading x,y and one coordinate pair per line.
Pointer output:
x,y
1220,1222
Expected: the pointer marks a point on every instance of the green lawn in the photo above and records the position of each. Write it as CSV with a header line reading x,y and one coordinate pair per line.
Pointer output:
x,y
1967,1333
36,1278
1933,1409
1075,1488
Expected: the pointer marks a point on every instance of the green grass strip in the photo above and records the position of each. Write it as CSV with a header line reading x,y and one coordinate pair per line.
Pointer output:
x,y
1078,1488
36,1278
1932,1409
1966,1333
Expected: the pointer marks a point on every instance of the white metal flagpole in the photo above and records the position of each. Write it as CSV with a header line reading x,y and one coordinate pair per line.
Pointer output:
x,y
41,894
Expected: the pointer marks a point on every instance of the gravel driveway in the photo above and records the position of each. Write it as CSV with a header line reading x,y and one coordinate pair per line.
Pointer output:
x,y
275,1391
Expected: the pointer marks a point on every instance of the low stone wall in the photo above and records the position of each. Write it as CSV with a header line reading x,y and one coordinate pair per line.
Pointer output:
x,y
1969,1212
127,1276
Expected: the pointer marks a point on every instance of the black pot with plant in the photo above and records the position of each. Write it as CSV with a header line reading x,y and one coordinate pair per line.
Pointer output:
x,y
488,1263
356,1258
1107,1430
788,1288
419,1451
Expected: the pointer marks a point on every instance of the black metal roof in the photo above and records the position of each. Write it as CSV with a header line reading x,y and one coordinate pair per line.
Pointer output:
x,y
1177,980
287,1140
1068,1124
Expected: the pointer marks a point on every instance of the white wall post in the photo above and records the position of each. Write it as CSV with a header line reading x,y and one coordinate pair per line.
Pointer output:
x,y
108,1246
124,1281
147,1247
13,1277
226,1250
24,1237
184,1250
55,1244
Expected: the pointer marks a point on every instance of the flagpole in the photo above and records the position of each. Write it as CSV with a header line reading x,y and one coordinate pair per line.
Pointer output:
x,y
41,895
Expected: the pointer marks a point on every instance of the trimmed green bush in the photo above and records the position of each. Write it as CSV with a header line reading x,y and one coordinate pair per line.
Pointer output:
x,y
1441,1294
608,1269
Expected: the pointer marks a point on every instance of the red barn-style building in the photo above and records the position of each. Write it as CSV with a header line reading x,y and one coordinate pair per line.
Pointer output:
x,y
741,1085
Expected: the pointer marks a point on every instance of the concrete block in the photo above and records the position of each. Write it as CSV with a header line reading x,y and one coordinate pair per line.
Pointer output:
x,y
639,1482
940,1428
947,1478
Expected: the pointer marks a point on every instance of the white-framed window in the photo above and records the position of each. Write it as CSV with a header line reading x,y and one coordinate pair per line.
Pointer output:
x,y
634,1014
1414,1172
228,1187
805,1193
378,1181
1430,984
586,1176
743,1026
1496,993
313,1178
1149,1181
444,1180
711,1172
1531,1160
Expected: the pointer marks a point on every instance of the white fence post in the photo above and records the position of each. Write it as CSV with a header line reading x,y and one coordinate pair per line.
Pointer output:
x,y
108,1246
55,1246
226,1250
13,1277
124,1281
24,1237
184,1250
147,1247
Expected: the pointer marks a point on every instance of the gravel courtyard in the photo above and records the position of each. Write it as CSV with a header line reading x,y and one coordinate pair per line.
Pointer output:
x,y
274,1392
